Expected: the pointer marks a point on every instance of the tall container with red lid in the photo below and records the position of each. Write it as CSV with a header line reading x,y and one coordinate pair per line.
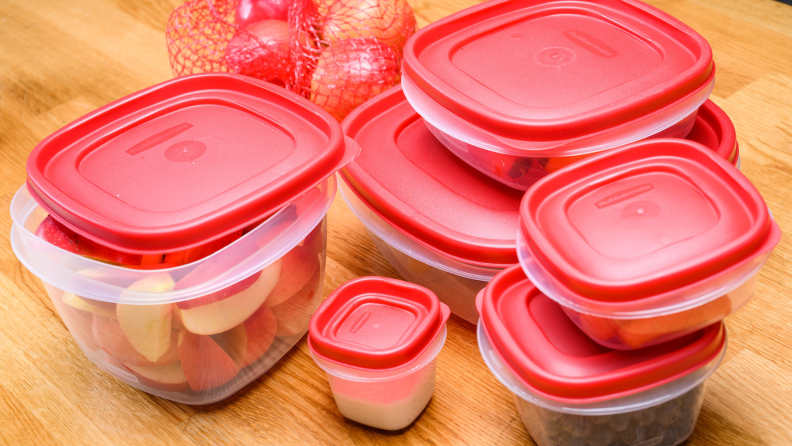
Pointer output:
x,y
439,222
646,243
571,391
521,88
180,231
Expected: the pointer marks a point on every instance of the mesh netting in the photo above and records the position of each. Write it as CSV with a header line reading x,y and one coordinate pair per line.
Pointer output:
x,y
337,53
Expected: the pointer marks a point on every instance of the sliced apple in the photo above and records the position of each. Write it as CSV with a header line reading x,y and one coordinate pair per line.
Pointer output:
x,y
223,315
206,365
148,327
248,342
314,242
109,336
80,324
299,265
294,315
168,378
199,252
597,328
106,309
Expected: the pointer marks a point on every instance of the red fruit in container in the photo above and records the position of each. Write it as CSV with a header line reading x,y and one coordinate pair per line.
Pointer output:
x,y
195,167
59,235
389,21
300,264
646,243
351,71
262,50
570,390
546,83
294,314
250,11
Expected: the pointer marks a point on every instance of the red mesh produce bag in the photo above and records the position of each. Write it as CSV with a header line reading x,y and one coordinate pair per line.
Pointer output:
x,y
337,53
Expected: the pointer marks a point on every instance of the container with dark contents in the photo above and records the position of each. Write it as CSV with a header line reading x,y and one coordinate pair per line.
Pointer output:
x,y
571,391
646,243
378,340
181,231
521,88
438,221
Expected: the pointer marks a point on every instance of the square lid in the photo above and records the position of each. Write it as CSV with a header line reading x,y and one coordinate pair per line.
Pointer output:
x,y
446,205
550,355
643,220
376,323
185,162
554,70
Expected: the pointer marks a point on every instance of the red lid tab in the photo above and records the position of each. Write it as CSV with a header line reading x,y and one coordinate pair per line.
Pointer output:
x,y
553,70
642,220
413,182
185,162
549,354
376,323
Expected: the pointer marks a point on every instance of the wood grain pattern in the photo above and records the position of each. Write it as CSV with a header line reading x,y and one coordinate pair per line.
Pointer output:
x,y
60,59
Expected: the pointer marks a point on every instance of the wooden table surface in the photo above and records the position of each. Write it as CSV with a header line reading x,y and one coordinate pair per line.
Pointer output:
x,y
60,59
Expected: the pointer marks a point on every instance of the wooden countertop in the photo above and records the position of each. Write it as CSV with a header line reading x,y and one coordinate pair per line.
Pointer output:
x,y
60,59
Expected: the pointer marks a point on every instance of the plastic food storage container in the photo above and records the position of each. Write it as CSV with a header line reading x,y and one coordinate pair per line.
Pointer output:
x,y
378,341
714,129
180,231
521,88
439,222
646,243
571,391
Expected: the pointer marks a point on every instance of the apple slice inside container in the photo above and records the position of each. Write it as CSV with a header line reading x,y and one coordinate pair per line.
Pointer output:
x,y
80,324
294,315
249,341
168,377
109,336
148,327
299,265
314,241
206,365
106,309
223,310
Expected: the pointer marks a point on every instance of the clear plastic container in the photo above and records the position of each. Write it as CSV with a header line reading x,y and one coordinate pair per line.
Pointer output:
x,y
662,416
196,333
455,283
389,400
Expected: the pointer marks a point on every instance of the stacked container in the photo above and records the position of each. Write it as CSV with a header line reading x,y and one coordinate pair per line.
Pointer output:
x,y
180,231
519,89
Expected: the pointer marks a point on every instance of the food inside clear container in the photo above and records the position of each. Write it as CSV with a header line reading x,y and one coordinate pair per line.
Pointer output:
x,y
378,340
520,89
192,292
646,243
439,222
570,391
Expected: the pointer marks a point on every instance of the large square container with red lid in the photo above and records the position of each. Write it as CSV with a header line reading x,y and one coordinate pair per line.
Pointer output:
x,y
180,231
438,221
646,243
571,391
378,340
546,83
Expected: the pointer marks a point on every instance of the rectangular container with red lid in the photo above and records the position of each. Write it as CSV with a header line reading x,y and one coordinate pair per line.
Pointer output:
x,y
571,391
180,231
646,243
521,88
378,340
438,221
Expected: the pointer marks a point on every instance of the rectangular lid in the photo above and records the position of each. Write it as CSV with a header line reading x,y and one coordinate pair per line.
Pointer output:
x,y
553,70
184,162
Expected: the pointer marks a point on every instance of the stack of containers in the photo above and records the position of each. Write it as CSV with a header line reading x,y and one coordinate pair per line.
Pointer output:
x,y
180,231
519,89
629,261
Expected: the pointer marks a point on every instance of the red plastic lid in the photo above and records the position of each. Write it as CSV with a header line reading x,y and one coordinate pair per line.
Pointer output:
x,y
714,129
376,323
185,162
408,178
550,355
645,219
554,70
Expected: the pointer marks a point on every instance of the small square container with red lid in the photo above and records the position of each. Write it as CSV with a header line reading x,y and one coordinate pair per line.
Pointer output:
x,y
180,231
438,221
571,391
378,340
646,243
550,82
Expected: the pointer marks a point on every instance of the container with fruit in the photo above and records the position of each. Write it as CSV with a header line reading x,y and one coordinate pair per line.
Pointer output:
x,y
646,243
180,231
571,391
521,88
